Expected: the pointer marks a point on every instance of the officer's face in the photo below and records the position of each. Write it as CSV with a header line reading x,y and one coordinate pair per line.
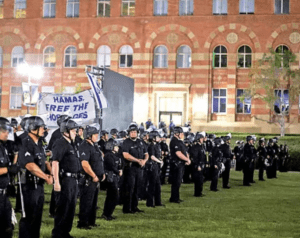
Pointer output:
x,y
80,132
95,137
201,140
116,149
4,135
73,134
181,136
41,131
133,134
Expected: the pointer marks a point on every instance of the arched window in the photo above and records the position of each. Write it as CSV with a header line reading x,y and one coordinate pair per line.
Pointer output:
x,y
17,56
49,57
184,59
244,57
161,57
71,57
281,61
103,56
220,57
126,55
1,57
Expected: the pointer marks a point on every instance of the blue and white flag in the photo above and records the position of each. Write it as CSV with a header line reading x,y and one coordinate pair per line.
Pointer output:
x,y
98,92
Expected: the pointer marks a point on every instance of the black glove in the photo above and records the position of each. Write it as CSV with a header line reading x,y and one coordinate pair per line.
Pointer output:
x,y
13,169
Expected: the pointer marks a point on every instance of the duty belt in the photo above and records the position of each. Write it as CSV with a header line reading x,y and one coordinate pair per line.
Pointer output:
x,y
69,175
3,191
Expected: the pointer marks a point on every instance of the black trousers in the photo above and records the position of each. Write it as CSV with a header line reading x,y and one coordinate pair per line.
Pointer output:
x,y
246,171
18,199
214,179
188,170
274,168
142,187
88,204
132,179
6,227
177,175
198,181
251,172
121,186
269,172
154,188
226,173
164,171
261,169
33,202
65,207
52,204
112,197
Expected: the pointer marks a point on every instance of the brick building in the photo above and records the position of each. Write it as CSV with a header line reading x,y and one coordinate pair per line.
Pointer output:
x,y
165,45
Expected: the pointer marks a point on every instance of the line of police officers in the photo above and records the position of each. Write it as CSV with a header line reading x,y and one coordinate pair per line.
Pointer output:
x,y
130,168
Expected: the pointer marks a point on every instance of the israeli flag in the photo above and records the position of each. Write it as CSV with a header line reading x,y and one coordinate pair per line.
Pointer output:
x,y
98,92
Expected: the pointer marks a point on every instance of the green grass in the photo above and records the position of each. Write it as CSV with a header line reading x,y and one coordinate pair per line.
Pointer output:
x,y
266,209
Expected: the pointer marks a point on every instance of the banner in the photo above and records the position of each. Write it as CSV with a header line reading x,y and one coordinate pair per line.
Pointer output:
x,y
30,94
78,106
97,90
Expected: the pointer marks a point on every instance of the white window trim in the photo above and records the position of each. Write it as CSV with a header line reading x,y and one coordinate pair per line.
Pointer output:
x,y
212,102
71,67
161,13
49,3
246,12
186,8
220,54
217,4
128,10
241,113
105,55
18,57
73,13
10,94
125,58
184,56
48,55
160,62
244,57
106,3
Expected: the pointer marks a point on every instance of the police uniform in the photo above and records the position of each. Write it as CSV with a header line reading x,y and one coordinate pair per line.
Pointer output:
x,y
238,153
78,140
112,166
132,173
89,193
249,157
6,226
227,156
252,164
270,161
198,158
262,156
177,167
275,160
142,192
33,189
153,174
166,159
216,159
101,144
65,153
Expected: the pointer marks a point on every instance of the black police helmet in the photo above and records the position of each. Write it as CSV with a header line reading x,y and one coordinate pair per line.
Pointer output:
x,y
178,130
271,141
217,141
104,132
23,122
248,138
14,122
153,135
142,135
226,138
110,144
33,123
198,136
62,118
186,141
91,130
122,134
4,124
68,125
114,131
133,127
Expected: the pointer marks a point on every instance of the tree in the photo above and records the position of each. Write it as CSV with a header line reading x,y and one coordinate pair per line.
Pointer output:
x,y
276,82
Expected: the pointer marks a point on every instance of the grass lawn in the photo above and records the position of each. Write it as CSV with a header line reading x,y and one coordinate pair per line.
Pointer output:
x,y
267,209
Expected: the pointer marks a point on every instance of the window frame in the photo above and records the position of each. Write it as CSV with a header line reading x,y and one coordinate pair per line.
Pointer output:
x,y
1,57
282,60
73,8
126,57
219,100
184,57
65,54
244,54
48,54
161,3
105,56
220,13
161,58
16,94
19,4
18,58
128,10
246,9
239,97
186,10
281,10
282,98
53,2
104,3
220,55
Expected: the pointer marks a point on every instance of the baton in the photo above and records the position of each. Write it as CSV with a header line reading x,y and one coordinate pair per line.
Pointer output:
x,y
21,196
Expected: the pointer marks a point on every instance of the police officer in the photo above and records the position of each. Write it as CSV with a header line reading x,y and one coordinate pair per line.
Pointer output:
x,y
79,137
6,168
253,161
166,159
136,156
32,157
262,156
276,157
215,164
103,139
122,135
238,153
248,160
179,157
198,158
114,133
142,193
92,164
66,166
270,156
153,171
113,171
227,157
148,123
